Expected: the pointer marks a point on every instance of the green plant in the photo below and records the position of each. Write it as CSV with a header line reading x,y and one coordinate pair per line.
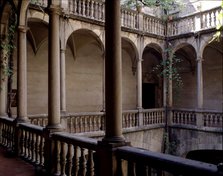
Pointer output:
x,y
168,68
217,36
7,47
166,5
170,145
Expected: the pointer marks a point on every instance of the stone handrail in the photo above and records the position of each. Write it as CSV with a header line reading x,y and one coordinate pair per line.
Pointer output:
x,y
83,122
74,154
201,118
94,121
184,117
153,116
196,22
130,119
135,161
7,129
213,119
94,10
133,20
31,143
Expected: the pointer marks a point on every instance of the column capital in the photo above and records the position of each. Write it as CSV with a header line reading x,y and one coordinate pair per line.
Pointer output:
x,y
23,28
62,50
55,9
199,59
139,60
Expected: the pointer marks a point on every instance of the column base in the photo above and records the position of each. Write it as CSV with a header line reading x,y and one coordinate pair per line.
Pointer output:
x,y
22,120
54,128
108,166
114,140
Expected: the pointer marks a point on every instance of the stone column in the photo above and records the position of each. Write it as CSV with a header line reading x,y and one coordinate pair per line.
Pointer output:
x,y
113,72
22,75
3,92
199,114
139,91
54,69
139,83
199,83
62,81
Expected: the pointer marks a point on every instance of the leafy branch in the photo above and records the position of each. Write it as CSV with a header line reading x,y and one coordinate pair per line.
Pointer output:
x,y
7,47
168,68
166,5
217,36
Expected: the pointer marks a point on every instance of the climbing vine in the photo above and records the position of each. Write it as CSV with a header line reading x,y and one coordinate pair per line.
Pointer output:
x,y
7,48
217,36
168,68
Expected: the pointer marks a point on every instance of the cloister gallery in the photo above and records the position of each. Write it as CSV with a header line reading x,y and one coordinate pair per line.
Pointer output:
x,y
83,80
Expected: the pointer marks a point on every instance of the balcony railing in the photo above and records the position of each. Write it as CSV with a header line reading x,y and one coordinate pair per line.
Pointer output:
x,y
208,118
138,162
199,21
74,155
94,121
95,10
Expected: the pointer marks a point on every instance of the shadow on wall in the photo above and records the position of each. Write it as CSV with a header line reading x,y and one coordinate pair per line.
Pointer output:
x,y
208,156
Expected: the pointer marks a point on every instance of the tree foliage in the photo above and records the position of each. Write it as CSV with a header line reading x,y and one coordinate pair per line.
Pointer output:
x,y
166,5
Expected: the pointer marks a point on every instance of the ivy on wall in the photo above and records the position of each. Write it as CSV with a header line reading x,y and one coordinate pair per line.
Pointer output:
x,y
7,48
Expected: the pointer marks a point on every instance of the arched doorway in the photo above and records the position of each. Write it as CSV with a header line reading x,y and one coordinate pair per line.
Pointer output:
x,y
152,87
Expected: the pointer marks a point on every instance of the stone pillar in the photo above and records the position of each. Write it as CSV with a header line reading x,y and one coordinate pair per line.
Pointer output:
x,y
139,79
199,84
3,92
199,115
54,69
113,72
22,75
62,81
113,92
139,91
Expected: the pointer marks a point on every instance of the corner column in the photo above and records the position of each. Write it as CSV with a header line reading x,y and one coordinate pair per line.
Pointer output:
x,y
113,92
200,98
139,79
113,72
54,69
22,75
54,78
3,89
62,81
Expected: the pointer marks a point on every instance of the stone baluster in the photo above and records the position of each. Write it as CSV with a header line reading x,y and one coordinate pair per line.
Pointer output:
x,y
83,6
56,147
90,164
69,159
76,161
63,159
21,143
37,150
82,169
33,148
92,9
41,152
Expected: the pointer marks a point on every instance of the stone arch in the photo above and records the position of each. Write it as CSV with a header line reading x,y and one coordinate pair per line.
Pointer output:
x,y
70,26
185,95
37,33
204,41
89,34
129,46
152,83
212,75
23,8
84,57
129,66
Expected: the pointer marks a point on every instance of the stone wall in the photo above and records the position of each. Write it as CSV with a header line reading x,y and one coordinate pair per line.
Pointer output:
x,y
194,139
